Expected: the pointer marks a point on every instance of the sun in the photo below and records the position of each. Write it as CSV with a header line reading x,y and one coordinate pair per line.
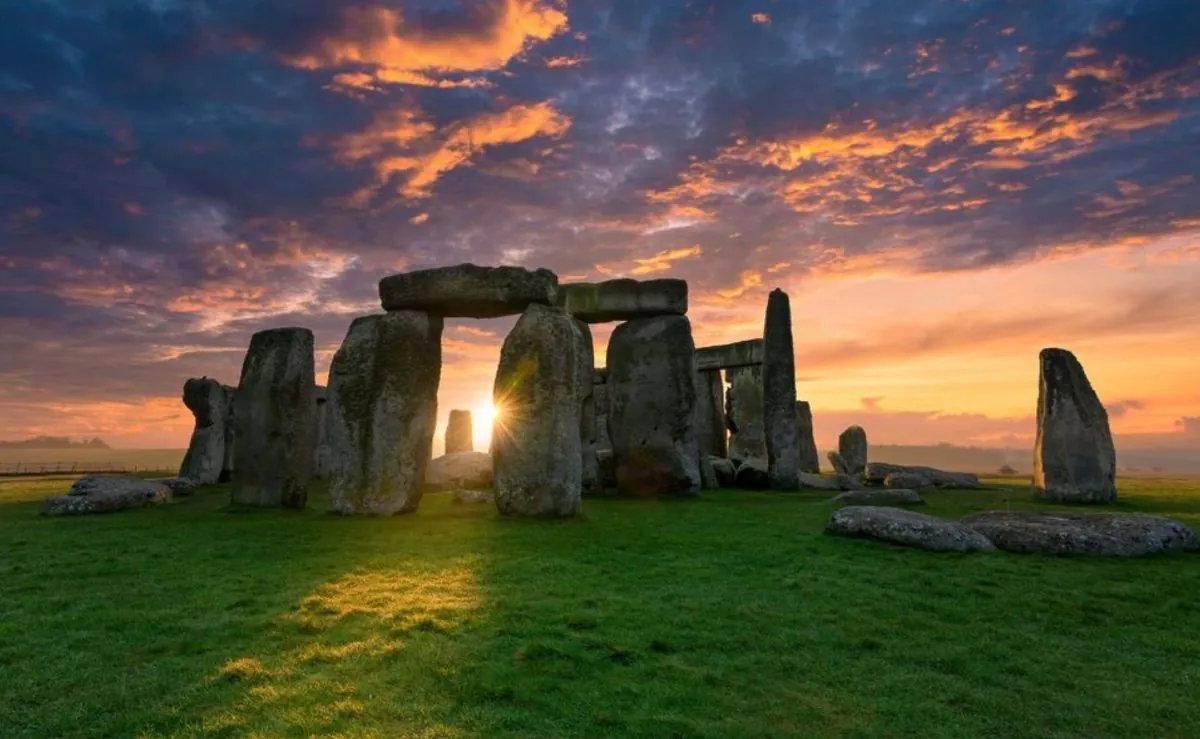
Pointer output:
x,y
486,414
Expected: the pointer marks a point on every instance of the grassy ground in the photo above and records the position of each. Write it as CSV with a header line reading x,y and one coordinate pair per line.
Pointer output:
x,y
128,459
730,616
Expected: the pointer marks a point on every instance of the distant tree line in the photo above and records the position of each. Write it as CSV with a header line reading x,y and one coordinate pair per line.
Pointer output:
x,y
53,442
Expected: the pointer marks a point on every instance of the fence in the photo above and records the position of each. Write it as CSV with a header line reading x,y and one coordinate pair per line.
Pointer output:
x,y
34,469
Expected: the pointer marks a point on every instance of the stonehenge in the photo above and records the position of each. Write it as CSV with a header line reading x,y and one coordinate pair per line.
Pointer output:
x,y
1074,460
624,299
711,429
585,382
779,394
468,291
460,432
275,420
852,448
744,413
209,402
806,443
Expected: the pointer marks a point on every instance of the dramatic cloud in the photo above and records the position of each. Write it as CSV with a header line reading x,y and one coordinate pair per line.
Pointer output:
x,y
175,176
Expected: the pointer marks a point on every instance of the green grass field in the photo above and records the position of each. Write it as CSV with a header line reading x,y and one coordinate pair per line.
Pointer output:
x,y
728,616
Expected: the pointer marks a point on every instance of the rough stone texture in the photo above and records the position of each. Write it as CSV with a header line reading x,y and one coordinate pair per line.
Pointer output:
x,y
747,353
878,498
585,381
744,415
898,526
779,394
460,433
608,470
848,482
852,445
651,412
600,409
711,431
537,456
916,476
205,457
469,291
724,470
472,497
459,471
1074,460
179,486
806,443
838,463
275,419
105,494
817,482
230,433
382,411
624,299
1097,534
321,461
753,475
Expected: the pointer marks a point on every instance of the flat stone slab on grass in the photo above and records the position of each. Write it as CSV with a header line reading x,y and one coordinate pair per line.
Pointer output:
x,y
1095,534
624,299
469,291
105,494
877,473
906,528
817,482
459,471
878,498
747,353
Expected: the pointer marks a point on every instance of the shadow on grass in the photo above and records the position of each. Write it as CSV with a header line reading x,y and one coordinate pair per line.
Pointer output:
x,y
731,615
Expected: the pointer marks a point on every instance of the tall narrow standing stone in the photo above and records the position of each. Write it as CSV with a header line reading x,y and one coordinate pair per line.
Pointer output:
x,y
321,465
230,435
600,401
382,408
275,415
779,394
651,412
460,432
809,459
744,415
536,454
1074,460
585,359
710,414
205,456
852,446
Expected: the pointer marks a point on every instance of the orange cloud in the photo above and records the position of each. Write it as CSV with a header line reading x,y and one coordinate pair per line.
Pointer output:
x,y
661,262
760,18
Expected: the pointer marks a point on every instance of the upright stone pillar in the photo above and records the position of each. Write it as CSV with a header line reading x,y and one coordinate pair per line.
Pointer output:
x,y
205,456
382,408
852,446
779,394
321,469
537,460
1074,459
652,397
275,416
230,434
809,459
744,415
460,432
585,371
710,414
600,401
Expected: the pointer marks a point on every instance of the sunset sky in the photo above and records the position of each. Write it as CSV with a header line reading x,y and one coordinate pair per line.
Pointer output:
x,y
943,187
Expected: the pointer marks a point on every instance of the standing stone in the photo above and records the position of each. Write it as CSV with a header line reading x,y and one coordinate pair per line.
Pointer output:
x,y
585,379
230,435
460,433
710,414
779,394
275,415
1074,460
383,385
536,451
852,445
600,401
205,457
809,459
651,413
321,469
744,415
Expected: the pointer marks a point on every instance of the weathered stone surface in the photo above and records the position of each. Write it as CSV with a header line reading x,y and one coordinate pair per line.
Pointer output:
x,y
779,394
106,494
817,482
600,408
840,467
472,497
805,441
230,433
651,413
1097,534
468,290
537,456
878,498
382,412
848,482
585,383
1074,460
724,470
179,486
906,528
460,433
275,419
608,470
711,431
624,299
852,445
744,415
321,461
459,471
916,476
747,353
752,475
205,457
